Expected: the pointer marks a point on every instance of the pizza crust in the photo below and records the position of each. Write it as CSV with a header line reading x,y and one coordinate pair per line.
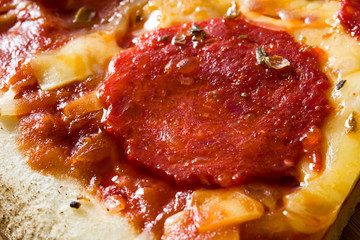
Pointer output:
x,y
347,209
34,206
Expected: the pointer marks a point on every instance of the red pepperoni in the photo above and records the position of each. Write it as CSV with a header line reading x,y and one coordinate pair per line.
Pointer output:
x,y
206,111
349,16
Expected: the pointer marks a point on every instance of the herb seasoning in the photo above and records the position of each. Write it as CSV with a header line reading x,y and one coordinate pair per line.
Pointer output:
x,y
242,37
340,84
197,33
260,55
84,15
163,38
179,39
138,18
276,62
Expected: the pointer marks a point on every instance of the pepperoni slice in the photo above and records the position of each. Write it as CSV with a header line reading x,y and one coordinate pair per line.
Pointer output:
x,y
196,103
349,16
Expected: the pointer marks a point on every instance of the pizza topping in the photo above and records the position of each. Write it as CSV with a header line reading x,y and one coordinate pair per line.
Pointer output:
x,y
115,203
138,17
82,197
179,39
260,55
8,105
82,106
349,16
340,84
193,124
213,212
244,94
214,209
275,61
233,11
164,38
182,226
242,37
77,60
351,123
84,15
197,33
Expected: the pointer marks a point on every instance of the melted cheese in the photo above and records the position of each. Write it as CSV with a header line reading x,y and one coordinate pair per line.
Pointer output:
x,y
80,58
8,106
83,105
215,209
177,224
292,14
166,13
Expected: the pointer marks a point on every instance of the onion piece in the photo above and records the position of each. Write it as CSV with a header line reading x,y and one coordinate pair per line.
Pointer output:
x,y
214,209
81,106
115,203
8,105
78,59
181,226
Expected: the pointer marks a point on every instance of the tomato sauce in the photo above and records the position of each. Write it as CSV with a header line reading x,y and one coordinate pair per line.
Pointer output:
x,y
106,158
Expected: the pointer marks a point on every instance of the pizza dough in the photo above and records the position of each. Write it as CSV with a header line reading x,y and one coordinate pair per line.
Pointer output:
x,y
38,206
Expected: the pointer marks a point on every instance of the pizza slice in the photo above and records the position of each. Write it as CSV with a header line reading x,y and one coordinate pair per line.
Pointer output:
x,y
178,120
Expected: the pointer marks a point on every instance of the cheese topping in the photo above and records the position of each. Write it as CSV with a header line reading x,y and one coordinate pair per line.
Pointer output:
x,y
80,58
215,209
8,105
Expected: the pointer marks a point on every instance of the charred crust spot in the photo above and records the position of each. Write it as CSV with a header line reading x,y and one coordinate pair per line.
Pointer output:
x,y
75,204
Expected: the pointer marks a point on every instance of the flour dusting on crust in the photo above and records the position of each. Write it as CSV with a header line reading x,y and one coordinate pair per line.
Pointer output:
x,y
33,206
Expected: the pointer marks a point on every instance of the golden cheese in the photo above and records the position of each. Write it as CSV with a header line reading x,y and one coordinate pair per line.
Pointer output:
x,y
8,106
214,209
174,229
78,59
